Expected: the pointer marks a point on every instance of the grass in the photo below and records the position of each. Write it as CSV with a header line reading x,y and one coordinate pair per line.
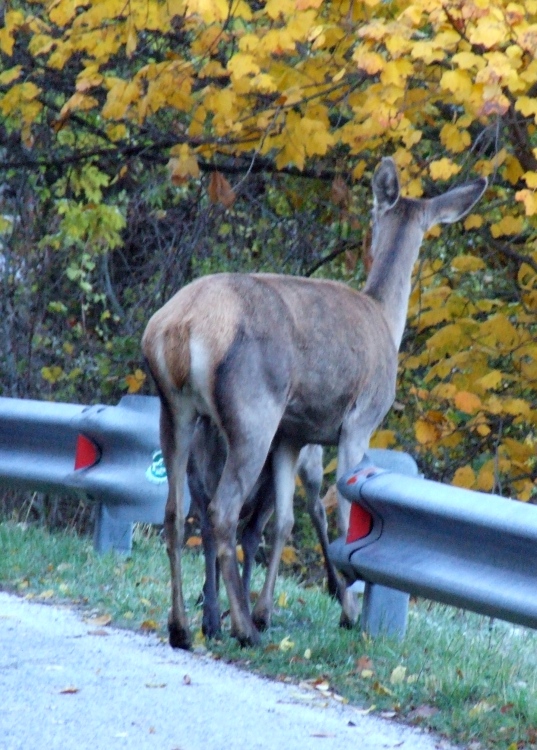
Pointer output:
x,y
460,674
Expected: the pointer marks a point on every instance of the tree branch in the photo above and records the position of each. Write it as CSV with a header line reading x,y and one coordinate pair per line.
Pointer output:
x,y
331,256
506,250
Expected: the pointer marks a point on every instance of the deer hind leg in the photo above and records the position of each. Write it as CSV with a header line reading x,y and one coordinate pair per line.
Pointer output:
x,y
284,467
175,437
246,456
310,471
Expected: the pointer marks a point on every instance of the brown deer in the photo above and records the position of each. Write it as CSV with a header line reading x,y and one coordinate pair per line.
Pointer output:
x,y
205,466
277,362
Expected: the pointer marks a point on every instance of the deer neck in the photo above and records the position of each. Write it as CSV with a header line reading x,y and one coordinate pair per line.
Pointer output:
x,y
390,277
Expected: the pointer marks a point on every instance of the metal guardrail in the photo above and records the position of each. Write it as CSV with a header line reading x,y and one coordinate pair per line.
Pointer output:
x,y
414,536
115,447
456,546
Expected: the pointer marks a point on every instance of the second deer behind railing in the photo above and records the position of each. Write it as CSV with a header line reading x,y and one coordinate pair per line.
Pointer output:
x,y
277,362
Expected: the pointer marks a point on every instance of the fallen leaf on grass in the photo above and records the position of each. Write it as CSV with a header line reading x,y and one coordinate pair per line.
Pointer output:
x,y
381,689
283,600
482,707
48,594
364,662
286,644
422,712
365,711
398,675
296,660
322,685
506,708
339,698
149,625
100,621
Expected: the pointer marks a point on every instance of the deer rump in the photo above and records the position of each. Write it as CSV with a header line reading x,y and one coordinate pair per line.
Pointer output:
x,y
205,466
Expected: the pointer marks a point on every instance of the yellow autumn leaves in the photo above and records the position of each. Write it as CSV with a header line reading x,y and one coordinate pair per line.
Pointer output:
x,y
447,88
478,374
292,80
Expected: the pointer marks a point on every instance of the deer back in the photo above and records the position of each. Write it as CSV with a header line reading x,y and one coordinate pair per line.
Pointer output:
x,y
312,345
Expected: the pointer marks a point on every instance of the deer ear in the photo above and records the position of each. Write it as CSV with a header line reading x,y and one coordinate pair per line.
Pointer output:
x,y
456,203
386,185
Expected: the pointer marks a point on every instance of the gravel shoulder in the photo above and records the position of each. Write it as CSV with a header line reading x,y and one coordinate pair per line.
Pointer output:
x,y
66,684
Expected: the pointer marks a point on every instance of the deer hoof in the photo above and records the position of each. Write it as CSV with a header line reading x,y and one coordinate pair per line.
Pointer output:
x,y
261,621
345,622
210,627
179,637
247,639
351,608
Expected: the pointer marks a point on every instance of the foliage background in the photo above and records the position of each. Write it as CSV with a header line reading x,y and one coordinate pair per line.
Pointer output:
x,y
147,142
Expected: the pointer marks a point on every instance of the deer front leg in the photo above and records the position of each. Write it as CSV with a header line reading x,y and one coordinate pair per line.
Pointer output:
x,y
352,446
210,625
284,466
310,471
252,532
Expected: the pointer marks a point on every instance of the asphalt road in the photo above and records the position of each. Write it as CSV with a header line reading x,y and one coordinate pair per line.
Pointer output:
x,y
67,684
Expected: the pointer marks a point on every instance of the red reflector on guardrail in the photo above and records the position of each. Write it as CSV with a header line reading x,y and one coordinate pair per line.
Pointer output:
x,y
360,523
87,453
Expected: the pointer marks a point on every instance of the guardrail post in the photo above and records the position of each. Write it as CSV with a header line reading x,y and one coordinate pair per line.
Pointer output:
x,y
385,610
110,533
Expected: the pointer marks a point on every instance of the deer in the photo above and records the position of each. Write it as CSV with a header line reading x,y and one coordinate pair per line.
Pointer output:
x,y
205,466
278,362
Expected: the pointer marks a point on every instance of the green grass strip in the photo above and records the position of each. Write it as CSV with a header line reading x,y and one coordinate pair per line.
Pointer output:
x,y
457,673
